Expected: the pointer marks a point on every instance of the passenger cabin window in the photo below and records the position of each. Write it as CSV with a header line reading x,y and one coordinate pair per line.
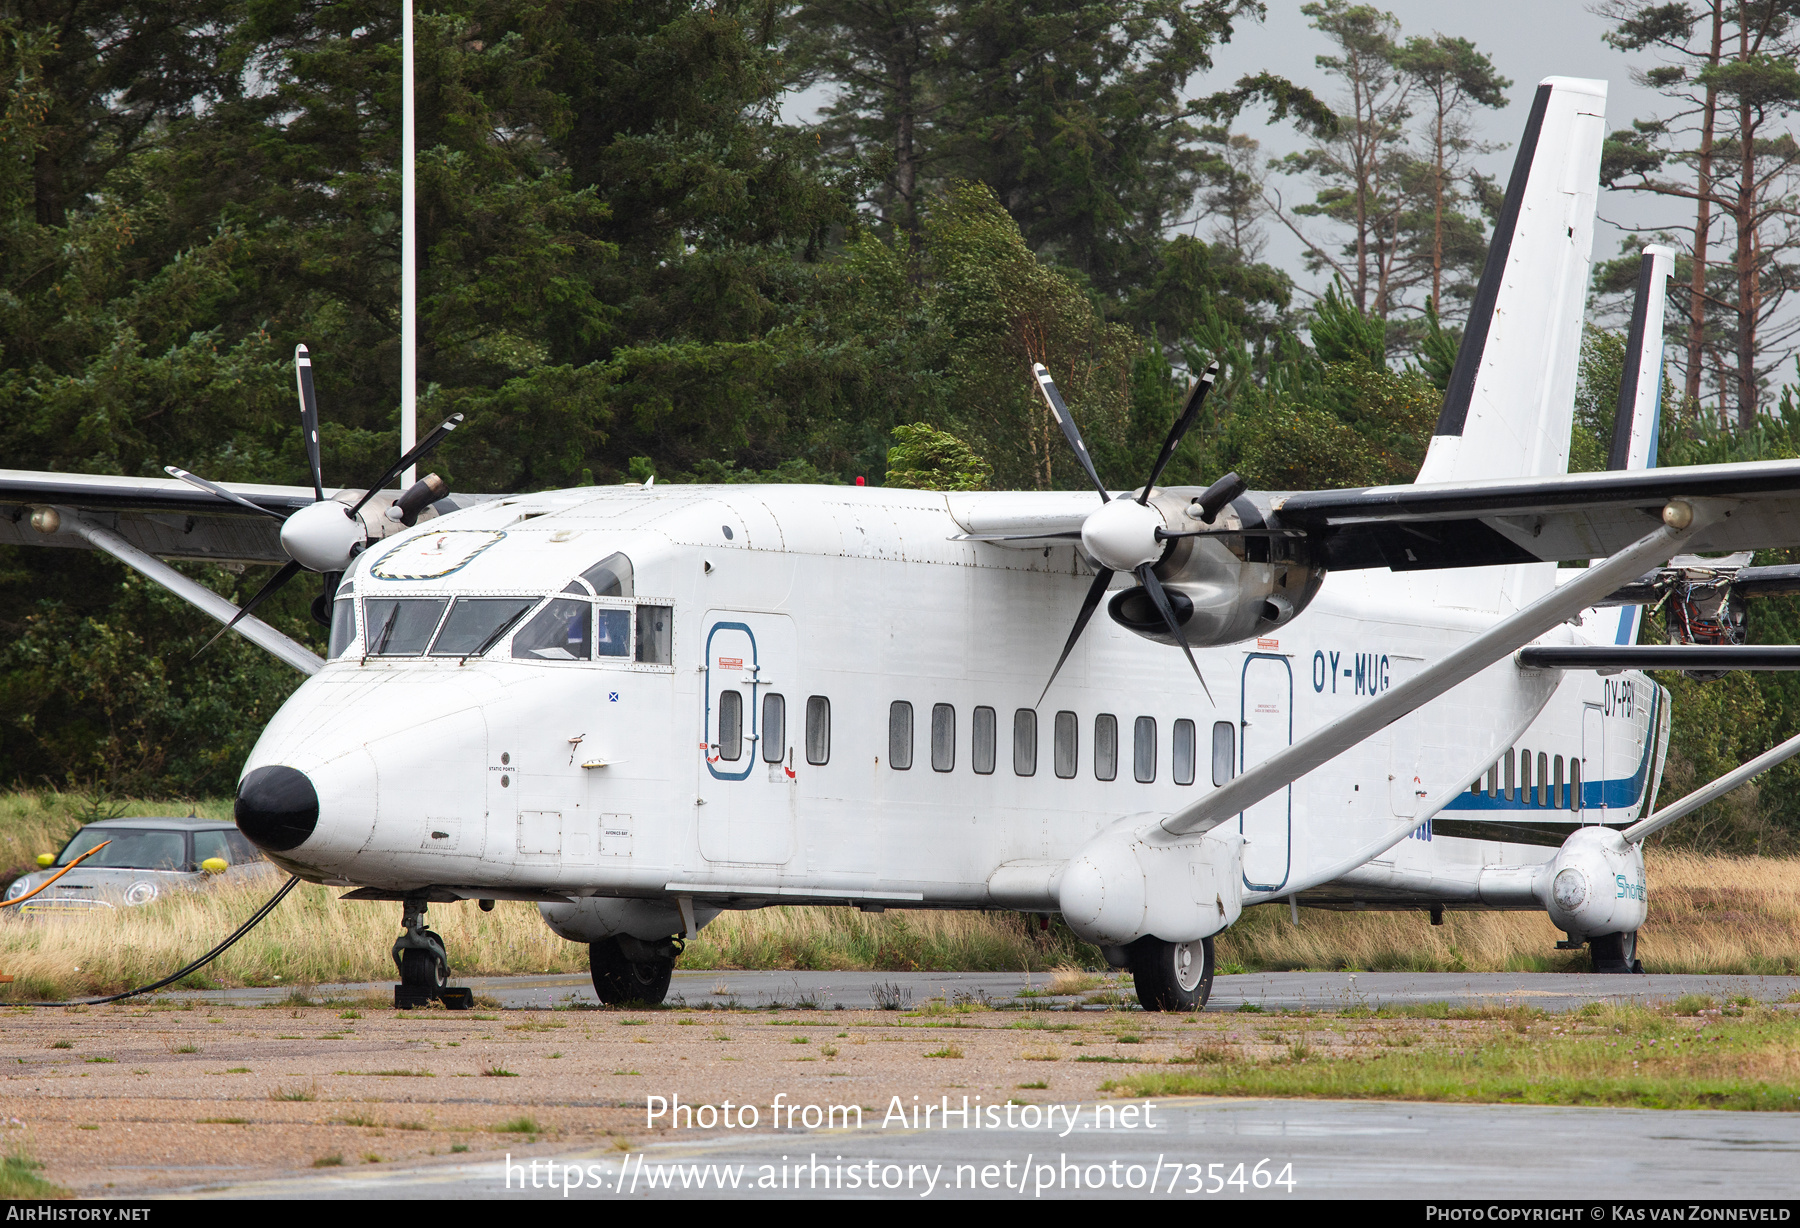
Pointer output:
x,y
1511,788
1106,747
1224,752
1523,795
561,631
402,626
943,737
1065,744
655,633
731,726
1543,778
1144,749
1493,780
343,627
1183,763
900,735
1575,801
982,750
477,623
818,730
774,728
1025,742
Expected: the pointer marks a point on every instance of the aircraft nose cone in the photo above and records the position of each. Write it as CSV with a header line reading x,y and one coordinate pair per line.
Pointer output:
x,y
277,807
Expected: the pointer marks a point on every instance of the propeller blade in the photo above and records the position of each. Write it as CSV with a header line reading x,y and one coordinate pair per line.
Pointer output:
x,y
262,594
1102,578
1189,412
213,488
420,451
1070,431
309,416
1146,576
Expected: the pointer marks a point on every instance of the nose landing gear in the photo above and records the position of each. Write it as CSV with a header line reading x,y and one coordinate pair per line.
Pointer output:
x,y
424,965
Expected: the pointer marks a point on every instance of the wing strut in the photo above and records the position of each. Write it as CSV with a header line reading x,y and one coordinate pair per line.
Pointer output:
x,y
1497,642
1717,789
195,594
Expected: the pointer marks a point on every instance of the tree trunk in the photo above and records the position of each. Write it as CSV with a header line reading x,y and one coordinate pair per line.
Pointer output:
x,y
1437,209
1696,355
1745,217
906,165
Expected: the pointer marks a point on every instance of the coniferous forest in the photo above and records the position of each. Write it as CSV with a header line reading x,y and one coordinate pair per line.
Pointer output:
x,y
640,254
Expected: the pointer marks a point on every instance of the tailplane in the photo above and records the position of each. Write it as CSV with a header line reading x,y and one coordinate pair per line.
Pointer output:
x,y
1637,425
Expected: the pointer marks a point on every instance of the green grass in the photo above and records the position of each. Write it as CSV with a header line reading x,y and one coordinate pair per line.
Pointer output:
x,y
1619,1056
518,1125
19,1178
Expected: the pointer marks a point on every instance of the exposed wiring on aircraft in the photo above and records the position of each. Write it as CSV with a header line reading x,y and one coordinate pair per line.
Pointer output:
x,y
256,918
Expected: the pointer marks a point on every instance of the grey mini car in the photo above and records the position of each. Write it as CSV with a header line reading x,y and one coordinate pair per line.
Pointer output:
x,y
147,858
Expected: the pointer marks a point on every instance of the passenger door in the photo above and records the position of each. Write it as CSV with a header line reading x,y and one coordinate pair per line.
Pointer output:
x,y
746,791
1267,727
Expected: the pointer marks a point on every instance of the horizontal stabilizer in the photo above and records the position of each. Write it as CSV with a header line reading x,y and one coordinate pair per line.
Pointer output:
x,y
1701,658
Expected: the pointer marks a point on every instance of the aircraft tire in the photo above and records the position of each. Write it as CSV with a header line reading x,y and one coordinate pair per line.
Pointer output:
x,y
618,981
421,971
1615,953
1171,976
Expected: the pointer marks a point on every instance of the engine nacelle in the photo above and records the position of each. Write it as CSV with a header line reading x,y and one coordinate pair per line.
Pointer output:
x,y
1595,884
1227,586
1127,882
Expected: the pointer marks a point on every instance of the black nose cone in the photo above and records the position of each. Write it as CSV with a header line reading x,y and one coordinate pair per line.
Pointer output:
x,y
277,807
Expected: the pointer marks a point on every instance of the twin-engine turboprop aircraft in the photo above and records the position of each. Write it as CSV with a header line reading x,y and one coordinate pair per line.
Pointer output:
x,y
638,706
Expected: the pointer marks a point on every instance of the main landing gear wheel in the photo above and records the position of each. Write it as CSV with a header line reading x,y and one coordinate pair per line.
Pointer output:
x,y
620,981
1171,976
1615,953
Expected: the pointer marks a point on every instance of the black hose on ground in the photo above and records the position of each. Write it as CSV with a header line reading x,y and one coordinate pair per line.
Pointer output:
x,y
256,918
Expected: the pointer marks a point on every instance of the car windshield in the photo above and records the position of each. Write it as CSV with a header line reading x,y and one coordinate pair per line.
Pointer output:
x,y
131,849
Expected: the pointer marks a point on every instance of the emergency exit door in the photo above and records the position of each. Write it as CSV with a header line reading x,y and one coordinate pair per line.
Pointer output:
x,y
1593,765
749,703
1266,727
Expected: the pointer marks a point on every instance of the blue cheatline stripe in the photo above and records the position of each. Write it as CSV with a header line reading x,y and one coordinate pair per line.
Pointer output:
x,y
1628,624
1621,794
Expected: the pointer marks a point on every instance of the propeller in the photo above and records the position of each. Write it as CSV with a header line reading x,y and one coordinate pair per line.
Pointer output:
x,y
325,535
1128,534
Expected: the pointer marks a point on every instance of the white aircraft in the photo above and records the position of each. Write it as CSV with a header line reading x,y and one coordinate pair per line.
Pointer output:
x,y
638,706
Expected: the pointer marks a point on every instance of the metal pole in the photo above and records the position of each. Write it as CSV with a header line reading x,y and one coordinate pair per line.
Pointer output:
x,y
409,294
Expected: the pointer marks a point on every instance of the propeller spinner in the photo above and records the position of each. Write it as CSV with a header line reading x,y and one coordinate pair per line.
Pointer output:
x,y
1128,534
325,535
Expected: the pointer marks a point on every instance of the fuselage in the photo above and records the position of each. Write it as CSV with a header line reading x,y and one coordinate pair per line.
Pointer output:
x,y
816,694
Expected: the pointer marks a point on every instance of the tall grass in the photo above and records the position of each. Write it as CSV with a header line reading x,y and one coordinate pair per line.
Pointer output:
x,y
1708,914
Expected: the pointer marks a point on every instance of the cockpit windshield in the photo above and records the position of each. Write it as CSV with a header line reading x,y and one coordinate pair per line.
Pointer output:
x,y
477,623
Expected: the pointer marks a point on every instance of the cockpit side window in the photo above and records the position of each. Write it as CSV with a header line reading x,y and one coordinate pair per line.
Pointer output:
x,y
561,631
343,627
610,577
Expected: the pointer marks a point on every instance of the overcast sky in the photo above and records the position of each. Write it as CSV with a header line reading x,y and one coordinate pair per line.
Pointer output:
x,y
1527,40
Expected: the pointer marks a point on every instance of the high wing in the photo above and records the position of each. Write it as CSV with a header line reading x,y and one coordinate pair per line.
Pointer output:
x,y
160,516
1550,518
